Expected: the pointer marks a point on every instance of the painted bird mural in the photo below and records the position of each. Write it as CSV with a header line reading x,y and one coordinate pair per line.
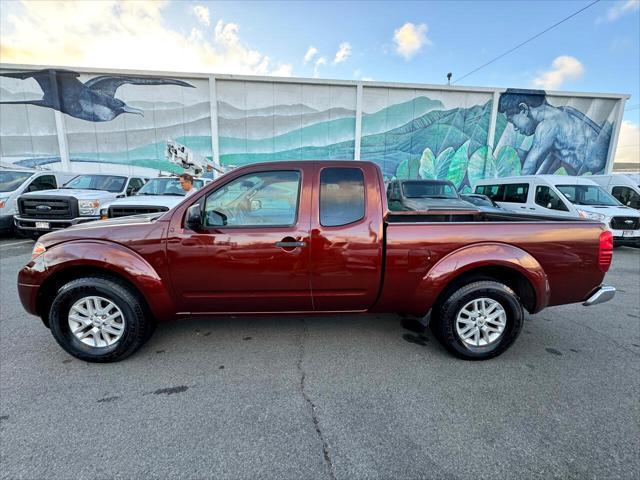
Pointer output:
x,y
93,100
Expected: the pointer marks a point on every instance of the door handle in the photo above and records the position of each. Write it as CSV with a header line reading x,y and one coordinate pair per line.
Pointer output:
x,y
294,244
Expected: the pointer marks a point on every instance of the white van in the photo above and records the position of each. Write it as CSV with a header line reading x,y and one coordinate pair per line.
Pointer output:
x,y
14,181
561,195
625,187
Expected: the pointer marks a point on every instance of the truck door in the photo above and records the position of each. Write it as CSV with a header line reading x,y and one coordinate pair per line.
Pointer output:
x,y
346,237
252,252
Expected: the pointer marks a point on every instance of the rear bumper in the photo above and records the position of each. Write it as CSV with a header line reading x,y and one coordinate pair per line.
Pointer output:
x,y
22,223
603,294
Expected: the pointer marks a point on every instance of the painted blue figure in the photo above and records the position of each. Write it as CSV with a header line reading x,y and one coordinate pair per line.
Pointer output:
x,y
93,100
562,136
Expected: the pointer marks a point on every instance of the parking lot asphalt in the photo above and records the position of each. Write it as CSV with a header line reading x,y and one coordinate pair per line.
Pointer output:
x,y
342,397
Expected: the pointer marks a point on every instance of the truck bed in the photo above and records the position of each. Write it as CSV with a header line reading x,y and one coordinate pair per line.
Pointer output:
x,y
415,243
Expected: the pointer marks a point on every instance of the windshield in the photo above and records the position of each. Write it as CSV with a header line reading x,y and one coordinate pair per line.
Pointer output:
x,y
166,186
479,201
9,180
428,190
587,195
110,183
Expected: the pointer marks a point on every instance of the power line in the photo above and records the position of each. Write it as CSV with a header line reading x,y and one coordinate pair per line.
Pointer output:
x,y
528,40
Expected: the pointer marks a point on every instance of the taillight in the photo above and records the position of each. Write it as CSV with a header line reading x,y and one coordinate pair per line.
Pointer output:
x,y
605,252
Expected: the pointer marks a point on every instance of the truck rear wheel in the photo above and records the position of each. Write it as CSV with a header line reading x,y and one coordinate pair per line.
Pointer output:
x,y
99,319
479,321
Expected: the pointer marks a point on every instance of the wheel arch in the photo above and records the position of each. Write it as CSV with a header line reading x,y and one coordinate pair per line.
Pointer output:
x,y
495,261
66,262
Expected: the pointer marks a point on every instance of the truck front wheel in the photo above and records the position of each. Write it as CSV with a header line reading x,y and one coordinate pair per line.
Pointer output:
x,y
479,321
99,319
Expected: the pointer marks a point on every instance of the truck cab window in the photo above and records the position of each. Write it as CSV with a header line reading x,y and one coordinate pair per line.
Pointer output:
x,y
255,200
43,182
341,196
547,198
135,184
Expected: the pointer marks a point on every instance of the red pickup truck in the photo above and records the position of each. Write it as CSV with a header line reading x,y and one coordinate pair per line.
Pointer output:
x,y
309,237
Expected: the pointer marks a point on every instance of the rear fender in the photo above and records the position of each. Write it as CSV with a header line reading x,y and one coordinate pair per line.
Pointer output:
x,y
112,257
481,255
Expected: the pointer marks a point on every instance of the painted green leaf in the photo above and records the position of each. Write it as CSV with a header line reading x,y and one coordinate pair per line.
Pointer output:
x,y
414,168
476,165
458,166
561,171
507,162
402,170
427,164
443,162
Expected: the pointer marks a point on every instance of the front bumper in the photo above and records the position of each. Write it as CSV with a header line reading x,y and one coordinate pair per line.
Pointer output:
x,y
603,294
22,223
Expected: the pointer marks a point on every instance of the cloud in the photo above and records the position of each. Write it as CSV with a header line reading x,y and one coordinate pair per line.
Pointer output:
x,y
320,62
311,52
344,52
563,68
619,9
357,74
628,150
410,38
133,35
202,13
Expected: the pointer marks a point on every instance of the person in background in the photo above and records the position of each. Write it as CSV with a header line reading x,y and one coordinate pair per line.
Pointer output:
x,y
186,182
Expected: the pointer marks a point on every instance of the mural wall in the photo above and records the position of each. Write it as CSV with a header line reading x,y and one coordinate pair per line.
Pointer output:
x,y
123,122
112,123
262,121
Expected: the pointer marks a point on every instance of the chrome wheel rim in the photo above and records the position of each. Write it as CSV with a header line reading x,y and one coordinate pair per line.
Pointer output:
x,y
96,321
481,322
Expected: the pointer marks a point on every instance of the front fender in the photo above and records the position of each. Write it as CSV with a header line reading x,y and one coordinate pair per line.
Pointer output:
x,y
104,255
485,255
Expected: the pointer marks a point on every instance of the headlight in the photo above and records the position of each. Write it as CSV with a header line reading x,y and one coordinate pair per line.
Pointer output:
x,y
88,207
592,215
38,249
104,213
3,202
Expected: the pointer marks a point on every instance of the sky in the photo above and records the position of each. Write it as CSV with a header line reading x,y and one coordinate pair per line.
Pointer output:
x,y
598,50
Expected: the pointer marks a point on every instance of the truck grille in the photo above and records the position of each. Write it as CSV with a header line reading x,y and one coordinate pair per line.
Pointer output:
x,y
625,223
125,211
48,207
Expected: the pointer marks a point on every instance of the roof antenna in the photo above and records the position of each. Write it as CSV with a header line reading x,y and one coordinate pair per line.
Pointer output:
x,y
449,75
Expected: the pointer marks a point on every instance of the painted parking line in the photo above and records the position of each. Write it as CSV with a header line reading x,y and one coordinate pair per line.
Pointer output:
x,y
23,242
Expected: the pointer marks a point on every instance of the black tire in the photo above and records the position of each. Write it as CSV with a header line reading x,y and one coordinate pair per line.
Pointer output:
x,y
444,322
139,325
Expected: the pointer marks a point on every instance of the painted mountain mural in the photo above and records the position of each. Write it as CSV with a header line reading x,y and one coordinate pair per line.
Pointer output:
x,y
391,136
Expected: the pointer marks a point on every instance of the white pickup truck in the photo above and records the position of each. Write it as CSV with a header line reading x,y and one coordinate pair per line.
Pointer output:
x,y
14,181
157,195
78,201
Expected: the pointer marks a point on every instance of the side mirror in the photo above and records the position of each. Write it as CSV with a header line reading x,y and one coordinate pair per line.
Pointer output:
x,y
193,219
215,219
256,205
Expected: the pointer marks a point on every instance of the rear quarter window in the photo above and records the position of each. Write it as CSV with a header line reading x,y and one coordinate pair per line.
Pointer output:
x,y
341,196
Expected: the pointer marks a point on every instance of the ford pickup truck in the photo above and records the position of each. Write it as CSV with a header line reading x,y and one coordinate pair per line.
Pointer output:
x,y
76,202
309,237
